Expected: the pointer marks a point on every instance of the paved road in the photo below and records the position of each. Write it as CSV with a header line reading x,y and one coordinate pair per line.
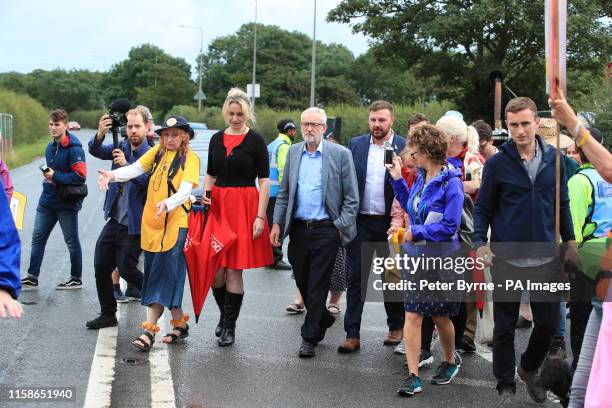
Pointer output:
x,y
50,346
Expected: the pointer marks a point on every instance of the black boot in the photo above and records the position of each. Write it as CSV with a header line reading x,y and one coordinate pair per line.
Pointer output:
x,y
219,294
233,302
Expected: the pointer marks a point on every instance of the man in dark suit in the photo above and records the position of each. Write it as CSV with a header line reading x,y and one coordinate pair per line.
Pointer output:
x,y
316,205
375,197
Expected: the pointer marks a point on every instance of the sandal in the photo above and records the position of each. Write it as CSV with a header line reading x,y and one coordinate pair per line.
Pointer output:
x,y
150,330
295,308
180,326
334,308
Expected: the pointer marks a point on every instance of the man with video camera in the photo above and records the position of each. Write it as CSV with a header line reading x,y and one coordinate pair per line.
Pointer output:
x,y
118,245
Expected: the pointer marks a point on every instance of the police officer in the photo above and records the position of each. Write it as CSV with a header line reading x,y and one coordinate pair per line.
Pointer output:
x,y
277,152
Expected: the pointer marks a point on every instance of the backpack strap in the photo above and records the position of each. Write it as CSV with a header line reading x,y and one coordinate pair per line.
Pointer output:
x,y
178,161
589,218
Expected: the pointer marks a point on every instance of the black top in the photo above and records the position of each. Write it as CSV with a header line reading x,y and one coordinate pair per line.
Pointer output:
x,y
247,161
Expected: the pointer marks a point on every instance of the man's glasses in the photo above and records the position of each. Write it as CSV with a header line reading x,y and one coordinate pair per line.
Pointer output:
x,y
313,125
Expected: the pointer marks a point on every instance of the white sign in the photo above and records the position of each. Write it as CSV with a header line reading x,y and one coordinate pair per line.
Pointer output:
x,y
250,90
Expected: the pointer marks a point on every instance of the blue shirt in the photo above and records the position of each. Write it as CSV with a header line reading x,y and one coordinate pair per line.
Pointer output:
x,y
309,205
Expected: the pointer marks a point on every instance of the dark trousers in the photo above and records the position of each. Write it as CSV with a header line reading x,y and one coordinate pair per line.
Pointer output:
x,y
427,327
312,253
373,233
277,252
505,315
582,291
115,248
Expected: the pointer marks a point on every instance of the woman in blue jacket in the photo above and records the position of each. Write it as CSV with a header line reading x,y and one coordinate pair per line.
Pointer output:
x,y
434,204
10,253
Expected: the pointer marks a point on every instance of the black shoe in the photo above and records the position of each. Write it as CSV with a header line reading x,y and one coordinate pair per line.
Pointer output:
x,y
557,348
72,283
102,321
29,283
466,345
505,396
536,390
233,302
133,294
219,294
307,349
281,266
523,323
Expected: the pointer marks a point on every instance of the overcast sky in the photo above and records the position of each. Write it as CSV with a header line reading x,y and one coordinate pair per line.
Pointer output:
x,y
95,34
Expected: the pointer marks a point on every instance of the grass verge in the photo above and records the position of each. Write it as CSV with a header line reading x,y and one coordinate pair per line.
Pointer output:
x,y
25,153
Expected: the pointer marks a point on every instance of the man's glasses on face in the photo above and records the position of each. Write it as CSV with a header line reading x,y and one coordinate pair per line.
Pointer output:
x,y
313,125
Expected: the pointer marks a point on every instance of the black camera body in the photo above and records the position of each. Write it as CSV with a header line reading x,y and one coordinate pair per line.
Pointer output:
x,y
117,112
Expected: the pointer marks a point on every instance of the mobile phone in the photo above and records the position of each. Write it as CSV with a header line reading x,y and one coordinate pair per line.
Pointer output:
x,y
207,206
468,176
44,168
389,156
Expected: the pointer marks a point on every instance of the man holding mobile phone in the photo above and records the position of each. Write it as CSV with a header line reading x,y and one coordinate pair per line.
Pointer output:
x,y
376,195
64,165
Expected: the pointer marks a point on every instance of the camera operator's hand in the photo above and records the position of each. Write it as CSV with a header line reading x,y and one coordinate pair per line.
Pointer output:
x,y
105,123
119,158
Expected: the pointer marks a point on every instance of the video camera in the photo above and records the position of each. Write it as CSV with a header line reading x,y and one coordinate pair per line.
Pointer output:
x,y
116,111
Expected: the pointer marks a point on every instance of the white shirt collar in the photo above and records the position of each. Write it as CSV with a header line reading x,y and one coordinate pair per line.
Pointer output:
x,y
390,139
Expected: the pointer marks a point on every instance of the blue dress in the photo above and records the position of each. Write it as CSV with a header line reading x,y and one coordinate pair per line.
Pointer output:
x,y
164,275
435,216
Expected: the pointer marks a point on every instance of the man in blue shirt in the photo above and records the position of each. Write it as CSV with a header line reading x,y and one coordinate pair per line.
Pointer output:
x,y
316,205
118,245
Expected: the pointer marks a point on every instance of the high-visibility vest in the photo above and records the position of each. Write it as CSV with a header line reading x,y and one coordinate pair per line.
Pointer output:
x,y
599,219
273,157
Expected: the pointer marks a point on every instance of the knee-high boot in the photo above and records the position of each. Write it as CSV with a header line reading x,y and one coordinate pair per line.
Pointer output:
x,y
233,302
219,294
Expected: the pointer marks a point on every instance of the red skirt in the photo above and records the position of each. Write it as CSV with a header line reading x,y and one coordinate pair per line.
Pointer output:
x,y
238,205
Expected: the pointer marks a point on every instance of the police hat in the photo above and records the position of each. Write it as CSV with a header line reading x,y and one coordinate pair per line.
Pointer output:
x,y
285,125
176,121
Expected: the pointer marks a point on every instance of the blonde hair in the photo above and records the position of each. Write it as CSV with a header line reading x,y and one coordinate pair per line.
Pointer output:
x,y
237,95
454,126
183,148
143,111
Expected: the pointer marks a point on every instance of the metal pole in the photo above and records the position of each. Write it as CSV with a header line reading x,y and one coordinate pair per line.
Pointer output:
x,y
314,58
200,71
254,58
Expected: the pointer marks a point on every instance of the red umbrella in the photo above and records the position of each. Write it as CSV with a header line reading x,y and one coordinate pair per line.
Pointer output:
x,y
207,239
478,277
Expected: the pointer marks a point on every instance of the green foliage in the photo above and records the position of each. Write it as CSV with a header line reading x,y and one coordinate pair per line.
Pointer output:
x,y
283,68
599,101
30,118
151,77
458,43
69,90
354,118
88,118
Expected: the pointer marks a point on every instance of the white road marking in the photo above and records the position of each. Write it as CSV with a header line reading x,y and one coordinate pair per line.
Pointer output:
x,y
484,352
162,387
102,373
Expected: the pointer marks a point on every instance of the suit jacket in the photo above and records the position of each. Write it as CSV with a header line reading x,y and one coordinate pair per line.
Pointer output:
x,y
360,146
338,184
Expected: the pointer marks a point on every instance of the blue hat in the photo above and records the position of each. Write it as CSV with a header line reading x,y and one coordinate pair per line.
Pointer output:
x,y
176,121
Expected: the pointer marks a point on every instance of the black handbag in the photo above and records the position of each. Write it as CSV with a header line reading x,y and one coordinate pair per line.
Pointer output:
x,y
71,192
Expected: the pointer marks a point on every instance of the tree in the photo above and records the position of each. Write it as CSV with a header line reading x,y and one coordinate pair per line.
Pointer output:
x,y
151,75
283,68
460,42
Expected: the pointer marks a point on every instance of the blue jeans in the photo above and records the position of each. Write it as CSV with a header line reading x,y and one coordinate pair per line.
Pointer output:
x,y
562,316
44,222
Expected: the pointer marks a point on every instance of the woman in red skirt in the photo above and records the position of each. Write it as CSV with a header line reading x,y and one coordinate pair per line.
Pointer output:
x,y
237,156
